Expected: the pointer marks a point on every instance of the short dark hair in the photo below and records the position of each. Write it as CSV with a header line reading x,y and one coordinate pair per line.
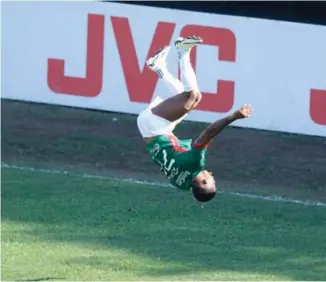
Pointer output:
x,y
201,194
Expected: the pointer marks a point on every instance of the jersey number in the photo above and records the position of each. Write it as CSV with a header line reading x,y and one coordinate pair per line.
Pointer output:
x,y
167,165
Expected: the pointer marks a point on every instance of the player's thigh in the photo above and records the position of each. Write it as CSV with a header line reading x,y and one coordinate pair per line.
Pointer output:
x,y
177,106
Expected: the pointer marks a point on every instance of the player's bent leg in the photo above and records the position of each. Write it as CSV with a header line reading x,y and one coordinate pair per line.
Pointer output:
x,y
161,117
178,106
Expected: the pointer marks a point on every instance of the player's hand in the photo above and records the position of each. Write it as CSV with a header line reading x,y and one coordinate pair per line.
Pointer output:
x,y
244,112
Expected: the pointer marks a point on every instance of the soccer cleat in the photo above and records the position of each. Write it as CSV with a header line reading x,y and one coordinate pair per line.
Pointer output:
x,y
187,42
158,60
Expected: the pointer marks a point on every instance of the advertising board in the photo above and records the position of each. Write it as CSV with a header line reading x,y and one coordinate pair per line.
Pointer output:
x,y
92,55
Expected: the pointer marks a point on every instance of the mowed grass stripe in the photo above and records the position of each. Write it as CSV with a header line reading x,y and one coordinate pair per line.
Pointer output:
x,y
71,228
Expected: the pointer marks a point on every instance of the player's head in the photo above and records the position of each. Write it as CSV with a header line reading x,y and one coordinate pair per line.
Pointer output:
x,y
203,186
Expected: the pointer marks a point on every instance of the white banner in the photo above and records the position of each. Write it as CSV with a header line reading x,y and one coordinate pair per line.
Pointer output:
x,y
92,55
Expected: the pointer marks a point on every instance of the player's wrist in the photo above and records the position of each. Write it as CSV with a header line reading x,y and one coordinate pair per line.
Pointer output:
x,y
234,117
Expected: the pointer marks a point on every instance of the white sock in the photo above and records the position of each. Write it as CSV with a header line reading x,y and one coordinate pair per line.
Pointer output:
x,y
173,84
188,75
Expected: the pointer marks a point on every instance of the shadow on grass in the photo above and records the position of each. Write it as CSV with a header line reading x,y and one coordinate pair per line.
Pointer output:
x,y
42,279
166,226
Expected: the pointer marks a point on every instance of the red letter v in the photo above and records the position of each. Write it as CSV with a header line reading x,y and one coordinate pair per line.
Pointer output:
x,y
140,84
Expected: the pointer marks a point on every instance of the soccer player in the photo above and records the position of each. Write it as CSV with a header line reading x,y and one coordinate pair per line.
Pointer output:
x,y
182,161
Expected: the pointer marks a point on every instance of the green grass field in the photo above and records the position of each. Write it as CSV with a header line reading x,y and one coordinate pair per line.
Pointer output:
x,y
65,227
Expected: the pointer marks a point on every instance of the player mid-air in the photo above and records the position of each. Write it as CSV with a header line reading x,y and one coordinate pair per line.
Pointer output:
x,y
182,161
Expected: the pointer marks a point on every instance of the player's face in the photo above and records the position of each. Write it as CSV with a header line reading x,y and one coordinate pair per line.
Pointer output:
x,y
204,188
206,180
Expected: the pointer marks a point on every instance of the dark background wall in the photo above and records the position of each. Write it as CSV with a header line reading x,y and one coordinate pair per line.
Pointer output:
x,y
313,12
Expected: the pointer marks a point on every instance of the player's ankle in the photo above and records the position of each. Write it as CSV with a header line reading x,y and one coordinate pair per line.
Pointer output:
x,y
183,53
160,71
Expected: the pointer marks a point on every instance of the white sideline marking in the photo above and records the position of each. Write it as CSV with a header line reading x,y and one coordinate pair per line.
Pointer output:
x,y
131,180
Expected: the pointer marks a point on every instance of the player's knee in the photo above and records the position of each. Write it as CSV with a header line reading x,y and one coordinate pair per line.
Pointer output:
x,y
198,98
195,95
193,98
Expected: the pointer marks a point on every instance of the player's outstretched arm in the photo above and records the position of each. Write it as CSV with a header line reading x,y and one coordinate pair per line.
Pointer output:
x,y
215,128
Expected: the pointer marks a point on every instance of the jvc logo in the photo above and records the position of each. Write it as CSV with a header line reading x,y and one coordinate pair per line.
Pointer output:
x,y
140,81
